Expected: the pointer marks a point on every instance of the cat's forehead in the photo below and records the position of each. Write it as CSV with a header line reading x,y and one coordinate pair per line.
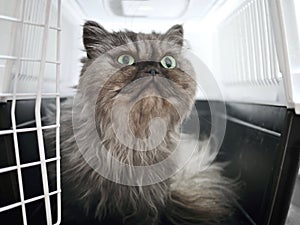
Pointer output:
x,y
148,46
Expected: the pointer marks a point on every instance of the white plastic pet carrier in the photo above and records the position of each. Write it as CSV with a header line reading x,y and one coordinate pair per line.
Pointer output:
x,y
252,48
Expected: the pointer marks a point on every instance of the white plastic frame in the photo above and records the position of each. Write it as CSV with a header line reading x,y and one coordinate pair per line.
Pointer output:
x,y
288,45
15,95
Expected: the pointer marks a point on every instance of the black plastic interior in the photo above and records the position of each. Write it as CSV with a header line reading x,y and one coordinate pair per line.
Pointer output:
x,y
261,143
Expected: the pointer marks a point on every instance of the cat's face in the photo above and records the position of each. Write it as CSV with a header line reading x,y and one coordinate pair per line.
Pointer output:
x,y
137,77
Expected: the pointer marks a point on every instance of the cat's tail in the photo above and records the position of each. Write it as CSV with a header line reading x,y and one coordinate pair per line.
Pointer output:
x,y
199,194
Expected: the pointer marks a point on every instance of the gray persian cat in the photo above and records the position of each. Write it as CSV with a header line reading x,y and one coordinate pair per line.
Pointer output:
x,y
135,90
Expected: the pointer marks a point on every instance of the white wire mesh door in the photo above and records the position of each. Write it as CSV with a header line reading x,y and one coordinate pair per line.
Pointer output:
x,y
29,69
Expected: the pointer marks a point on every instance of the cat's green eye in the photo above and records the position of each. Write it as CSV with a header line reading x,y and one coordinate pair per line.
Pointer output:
x,y
168,62
126,59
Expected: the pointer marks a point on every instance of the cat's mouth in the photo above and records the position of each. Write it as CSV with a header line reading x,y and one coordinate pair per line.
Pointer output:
x,y
145,87
151,86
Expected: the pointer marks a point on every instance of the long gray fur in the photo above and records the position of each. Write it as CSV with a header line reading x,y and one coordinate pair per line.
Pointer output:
x,y
197,194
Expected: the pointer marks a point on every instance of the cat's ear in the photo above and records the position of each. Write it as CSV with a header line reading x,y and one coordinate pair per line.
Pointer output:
x,y
175,35
93,36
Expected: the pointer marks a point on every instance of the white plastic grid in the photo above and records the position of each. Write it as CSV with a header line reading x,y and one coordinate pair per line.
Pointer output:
x,y
23,35
248,35
248,61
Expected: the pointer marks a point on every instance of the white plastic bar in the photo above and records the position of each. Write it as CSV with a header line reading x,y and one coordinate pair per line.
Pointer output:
x,y
273,53
234,40
238,50
23,130
13,116
58,179
253,43
263,40
40,15
8,207
38,115
287,40
241,47
39,35
256,127
234,53
31,39
35,48
16,20
268,75
26,165
7,57
7,96
25,39
246,17
247,76
29,94
259,56
272,50
270,47
261,44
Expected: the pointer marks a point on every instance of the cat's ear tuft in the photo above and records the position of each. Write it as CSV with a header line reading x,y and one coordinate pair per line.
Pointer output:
x,y
93,34
175,35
